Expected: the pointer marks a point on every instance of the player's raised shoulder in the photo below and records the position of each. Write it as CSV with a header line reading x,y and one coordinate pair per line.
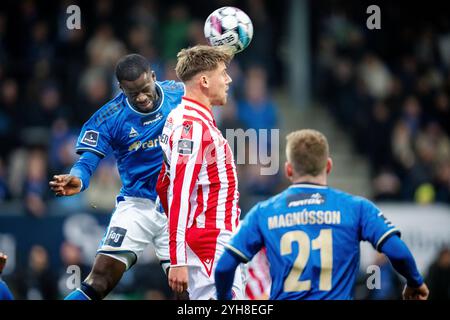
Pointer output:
x,y
171,86
108,110
178,116
274,203
360,202
345,196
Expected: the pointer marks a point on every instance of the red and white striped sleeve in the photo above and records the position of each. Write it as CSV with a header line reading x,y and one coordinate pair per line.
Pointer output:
x,y
187,143
259,281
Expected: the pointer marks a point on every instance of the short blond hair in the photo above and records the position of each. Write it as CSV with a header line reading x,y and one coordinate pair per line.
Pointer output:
x,y
201,58
308,151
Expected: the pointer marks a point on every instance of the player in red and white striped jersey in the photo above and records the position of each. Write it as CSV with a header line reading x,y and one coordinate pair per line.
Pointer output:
x,y
198,183
258,282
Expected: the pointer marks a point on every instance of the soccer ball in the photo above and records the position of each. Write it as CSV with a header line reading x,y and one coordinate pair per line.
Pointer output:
x,y
229,26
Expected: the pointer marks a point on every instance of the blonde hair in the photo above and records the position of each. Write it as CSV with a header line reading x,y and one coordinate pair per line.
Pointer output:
x,y
308,151
200,58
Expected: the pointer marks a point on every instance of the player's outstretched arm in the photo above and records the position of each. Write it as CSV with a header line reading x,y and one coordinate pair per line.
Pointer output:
x,y
224,275
420,293
65,185
78,179
403,262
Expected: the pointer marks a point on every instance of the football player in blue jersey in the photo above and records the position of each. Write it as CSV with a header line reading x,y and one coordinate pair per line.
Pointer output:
x,y
128,126
312,232
5,293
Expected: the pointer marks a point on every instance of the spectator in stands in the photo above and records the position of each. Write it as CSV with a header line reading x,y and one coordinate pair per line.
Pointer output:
x,y
441,111
11,116
62,143
174,31
104,186
70,257
442,182
48,108
39,46
438,277
257,110
37,282
94,92
35,184
4,189
104,49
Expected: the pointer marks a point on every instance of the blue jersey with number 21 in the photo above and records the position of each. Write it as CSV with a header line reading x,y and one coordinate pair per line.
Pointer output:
x,y
312,235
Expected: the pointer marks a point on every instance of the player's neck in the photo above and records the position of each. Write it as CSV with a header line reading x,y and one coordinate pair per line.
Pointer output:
x,y
319,180
198,96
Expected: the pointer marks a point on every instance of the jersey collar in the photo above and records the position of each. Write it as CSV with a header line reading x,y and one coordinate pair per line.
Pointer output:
x,y
308,185
161,101
199,106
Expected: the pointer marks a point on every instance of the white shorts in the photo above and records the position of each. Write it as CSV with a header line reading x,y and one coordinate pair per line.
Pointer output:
x,y
201,286
134,224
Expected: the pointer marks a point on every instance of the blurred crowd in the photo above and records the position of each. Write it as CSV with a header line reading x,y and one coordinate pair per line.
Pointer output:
x,y
53,79
390,286
390,90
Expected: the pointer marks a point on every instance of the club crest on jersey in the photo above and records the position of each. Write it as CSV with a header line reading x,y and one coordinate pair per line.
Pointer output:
x,y
185,146
90,138
133,133
186,128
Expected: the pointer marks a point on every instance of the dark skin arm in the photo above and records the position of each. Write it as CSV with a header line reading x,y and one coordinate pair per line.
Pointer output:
x,y
65,185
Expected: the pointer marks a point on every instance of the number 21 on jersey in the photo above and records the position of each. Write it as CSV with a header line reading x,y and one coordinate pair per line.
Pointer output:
x,y
324,243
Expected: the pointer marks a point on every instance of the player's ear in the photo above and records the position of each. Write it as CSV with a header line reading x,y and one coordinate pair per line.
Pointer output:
x,y
204,81
288,170
153,75
120,85
329,165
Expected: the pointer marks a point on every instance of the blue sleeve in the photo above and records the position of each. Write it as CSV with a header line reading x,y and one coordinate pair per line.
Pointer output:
x,y
402,260
95,136
374,227
248,240
5,293
224,274
85,167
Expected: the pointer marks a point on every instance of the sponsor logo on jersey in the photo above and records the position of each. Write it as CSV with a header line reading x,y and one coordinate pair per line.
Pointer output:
x,y
135,146
90,138
151,119
133,133
152,143
304,199
115,236
185,146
